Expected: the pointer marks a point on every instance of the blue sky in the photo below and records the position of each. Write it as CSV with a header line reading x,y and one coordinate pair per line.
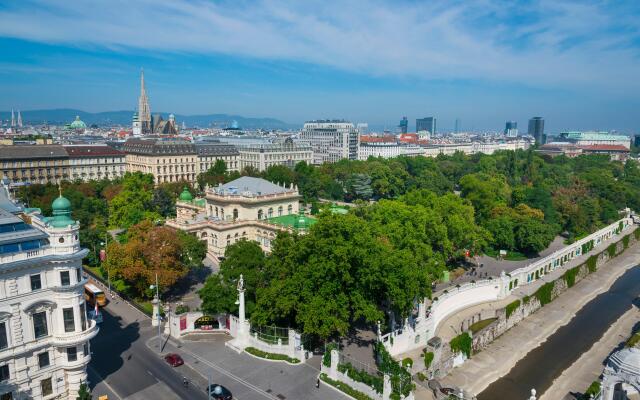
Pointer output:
x,y
576,63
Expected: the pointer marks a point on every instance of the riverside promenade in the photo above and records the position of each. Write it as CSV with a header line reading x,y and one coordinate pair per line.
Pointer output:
x,y
501,355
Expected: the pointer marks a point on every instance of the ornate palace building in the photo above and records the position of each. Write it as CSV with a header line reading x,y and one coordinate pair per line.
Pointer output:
x,y
245,209
44,330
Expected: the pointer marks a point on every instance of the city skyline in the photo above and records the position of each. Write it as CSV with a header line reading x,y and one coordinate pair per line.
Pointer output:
x,y
575,64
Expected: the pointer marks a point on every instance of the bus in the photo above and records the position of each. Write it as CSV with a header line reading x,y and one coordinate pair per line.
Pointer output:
x,y
93,294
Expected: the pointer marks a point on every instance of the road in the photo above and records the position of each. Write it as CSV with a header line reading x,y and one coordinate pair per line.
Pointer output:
x,y
123,367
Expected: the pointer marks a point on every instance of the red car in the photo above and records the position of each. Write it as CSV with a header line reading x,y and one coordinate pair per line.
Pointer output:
x,y
174,359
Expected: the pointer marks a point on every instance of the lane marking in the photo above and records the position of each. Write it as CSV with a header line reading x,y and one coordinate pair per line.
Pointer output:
x,y
104,381
227,373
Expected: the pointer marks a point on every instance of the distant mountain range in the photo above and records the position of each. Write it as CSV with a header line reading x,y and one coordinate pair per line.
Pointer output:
x,y
63,116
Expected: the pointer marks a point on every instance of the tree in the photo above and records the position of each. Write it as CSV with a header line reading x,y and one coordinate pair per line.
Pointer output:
x,y
219,292
214,176
134,203
84,393
280,174
163,203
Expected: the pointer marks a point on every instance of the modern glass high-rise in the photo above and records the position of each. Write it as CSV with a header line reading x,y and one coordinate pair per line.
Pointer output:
x,y
511,128
536,129
426,124
458,126
404,125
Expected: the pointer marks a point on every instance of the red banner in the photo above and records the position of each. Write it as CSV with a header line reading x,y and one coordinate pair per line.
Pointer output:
x,y
103,255
183,322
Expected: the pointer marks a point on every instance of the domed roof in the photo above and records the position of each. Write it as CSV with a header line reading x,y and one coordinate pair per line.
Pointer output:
x,y
626,360
77,124
61,204
185,195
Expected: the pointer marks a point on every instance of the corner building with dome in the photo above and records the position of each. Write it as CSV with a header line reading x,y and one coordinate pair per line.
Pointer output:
x,y
44,329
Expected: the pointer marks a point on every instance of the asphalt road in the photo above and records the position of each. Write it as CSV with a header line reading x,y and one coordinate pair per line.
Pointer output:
x,y
125,367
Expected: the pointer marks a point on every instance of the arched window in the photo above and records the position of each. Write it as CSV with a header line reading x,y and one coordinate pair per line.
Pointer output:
x,y
270,212
290,209
260,214
203,235
280,211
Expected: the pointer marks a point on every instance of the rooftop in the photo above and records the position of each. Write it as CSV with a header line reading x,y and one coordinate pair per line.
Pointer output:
x,y
248,185
20,152
293,221
159,147
92,151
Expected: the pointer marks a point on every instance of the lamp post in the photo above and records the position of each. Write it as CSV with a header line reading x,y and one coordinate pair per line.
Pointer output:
x,y
156,310
106,241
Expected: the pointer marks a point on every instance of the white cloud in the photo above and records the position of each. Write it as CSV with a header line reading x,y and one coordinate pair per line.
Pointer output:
x,y
545,43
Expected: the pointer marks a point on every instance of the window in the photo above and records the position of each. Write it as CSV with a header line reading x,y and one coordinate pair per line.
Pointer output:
x,y
69,323
4,373
43,360
4,343
65,280
85,349
45,387
78,275
36,283
72,354
83,316
6,396
40,324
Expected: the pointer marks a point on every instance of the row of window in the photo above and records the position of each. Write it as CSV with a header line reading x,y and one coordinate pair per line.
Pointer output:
x,y
65,279
22,246
44,361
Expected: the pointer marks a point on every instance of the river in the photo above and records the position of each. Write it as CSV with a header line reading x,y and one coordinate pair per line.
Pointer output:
x,y
542,365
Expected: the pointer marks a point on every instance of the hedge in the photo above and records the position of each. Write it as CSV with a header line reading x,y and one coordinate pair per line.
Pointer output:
x,y
400,377
633,340
375,382
407,362
593,389
625,241
271,356
511,307
592,264
461,343
343,387
611,250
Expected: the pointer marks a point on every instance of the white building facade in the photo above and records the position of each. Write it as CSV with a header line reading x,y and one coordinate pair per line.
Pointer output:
x,y
95,162
388,150
287,153
44,329
331,140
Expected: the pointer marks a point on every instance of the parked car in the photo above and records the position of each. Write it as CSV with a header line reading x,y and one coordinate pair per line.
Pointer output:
x,y
174,359
219,392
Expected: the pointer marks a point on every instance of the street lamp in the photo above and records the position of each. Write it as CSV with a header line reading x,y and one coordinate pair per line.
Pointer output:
x,y
106,240
157,301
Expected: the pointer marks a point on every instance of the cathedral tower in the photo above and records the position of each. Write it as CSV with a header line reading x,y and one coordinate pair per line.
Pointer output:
x,y
144,112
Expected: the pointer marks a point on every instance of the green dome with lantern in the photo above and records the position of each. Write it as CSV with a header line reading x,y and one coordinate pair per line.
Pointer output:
x,y
77,124
61,213
186,195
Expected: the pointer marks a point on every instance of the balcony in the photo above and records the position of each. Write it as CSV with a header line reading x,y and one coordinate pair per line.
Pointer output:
x,y
73,338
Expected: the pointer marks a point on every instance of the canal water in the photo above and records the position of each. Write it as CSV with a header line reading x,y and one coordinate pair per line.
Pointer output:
x,y
542,365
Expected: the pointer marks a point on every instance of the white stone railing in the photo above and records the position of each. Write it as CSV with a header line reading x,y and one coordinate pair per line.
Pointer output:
x,y
66,339
455,299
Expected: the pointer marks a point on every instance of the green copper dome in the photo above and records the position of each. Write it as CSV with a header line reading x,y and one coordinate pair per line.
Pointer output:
x,y
61,213
77,124
186,195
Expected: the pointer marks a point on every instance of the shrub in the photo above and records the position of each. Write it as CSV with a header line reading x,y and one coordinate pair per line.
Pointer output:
x,y
592,264
543,294
636,233
271,356
570,276
511,307
357,375
593,389
587,247
181,309
633,340
625,241
345,388
428,359
326,357
611,250
400,377
461,344
407,362
421,376
525,299
620,226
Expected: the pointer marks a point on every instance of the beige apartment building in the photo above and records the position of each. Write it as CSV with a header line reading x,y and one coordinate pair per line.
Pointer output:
x,y
34,163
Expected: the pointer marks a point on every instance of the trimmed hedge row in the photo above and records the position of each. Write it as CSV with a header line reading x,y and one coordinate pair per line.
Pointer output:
x,y
357,375
343,387
511,307
462,343
271,356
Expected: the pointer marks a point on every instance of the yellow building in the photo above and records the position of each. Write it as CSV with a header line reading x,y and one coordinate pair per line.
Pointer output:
x,y
34,163
245,209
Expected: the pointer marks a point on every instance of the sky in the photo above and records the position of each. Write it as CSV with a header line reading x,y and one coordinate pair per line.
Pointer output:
x,y
575,63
